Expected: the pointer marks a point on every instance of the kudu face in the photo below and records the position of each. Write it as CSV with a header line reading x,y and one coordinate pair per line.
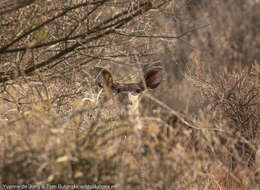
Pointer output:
x,y
152,78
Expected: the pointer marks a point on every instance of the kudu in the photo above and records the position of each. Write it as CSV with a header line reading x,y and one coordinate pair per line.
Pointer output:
x,y
151,79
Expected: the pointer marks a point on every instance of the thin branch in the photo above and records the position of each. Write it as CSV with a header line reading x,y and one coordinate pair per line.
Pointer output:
x,y
3,49
178,115
7,6
160,36
136,11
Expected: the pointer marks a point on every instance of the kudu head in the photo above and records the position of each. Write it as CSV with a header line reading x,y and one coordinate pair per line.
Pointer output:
x,y
152,78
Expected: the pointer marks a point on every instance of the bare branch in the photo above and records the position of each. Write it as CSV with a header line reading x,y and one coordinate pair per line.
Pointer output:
x,y
7,6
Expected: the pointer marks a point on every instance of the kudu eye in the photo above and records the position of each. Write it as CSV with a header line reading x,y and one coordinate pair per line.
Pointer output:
x,y
138,91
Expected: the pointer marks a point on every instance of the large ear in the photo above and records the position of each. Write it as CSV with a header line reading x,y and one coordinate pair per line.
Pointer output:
x,y
102,77
153,77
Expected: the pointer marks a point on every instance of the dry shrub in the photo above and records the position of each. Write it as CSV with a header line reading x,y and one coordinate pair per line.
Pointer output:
x,y
225,68
96,144
42,148
231,102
